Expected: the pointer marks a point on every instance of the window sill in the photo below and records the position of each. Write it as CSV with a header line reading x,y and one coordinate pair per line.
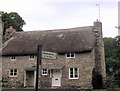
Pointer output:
x,y
73,78
12,76
70,57
32,59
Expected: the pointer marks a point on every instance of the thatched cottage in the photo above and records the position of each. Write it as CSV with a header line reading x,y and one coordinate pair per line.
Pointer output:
x,y
80,50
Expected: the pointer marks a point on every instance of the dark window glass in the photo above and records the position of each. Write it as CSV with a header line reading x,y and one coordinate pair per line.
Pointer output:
x,y
72,55
32,56
15,70
68,54
13,57
11,74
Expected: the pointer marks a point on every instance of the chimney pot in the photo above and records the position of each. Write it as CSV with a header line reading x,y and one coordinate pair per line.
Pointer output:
x,y
97,25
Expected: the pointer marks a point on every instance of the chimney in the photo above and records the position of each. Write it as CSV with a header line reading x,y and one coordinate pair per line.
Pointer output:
x,y
97,25
1,30
10,29
9,32
99,48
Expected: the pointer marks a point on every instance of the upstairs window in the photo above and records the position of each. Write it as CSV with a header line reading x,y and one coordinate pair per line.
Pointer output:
x,y
73,73
13,72
44,71
32,57
70,55
13,58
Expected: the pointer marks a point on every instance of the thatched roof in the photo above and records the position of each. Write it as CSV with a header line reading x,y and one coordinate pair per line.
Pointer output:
x,y
79,39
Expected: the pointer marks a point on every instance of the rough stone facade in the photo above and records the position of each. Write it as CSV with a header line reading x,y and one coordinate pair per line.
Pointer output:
x,y
83,61
21,63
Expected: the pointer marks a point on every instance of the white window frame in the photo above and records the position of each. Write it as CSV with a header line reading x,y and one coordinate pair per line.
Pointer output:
x,y
32,57
70,55
13,58
13,73
44,71
74,73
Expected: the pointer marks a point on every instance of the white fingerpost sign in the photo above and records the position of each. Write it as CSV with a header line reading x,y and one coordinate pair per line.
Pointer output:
x,y
49,55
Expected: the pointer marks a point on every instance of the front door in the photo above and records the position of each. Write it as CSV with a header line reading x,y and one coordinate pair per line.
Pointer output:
x,y
56,77
30,78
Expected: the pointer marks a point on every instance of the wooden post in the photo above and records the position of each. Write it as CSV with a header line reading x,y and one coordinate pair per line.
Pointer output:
x,y
38,68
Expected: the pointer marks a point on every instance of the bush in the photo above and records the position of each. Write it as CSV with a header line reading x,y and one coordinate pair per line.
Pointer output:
x,y
97,80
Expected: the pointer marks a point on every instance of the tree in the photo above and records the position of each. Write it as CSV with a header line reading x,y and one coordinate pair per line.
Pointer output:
x,y
97,79
112,58
117,39
12,19
110,54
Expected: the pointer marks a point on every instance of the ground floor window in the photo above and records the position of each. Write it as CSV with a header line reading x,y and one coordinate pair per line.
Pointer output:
x,y
44,71
73,73
13,72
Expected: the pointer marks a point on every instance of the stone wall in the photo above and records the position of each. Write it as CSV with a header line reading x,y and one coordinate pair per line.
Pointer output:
x,y
83,61
21,63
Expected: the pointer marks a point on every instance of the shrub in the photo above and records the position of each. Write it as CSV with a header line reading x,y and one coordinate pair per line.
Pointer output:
x,y
97,79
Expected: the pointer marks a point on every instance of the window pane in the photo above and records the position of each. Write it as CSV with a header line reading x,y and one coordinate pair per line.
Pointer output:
x,y
76,76
72,55
76,69
71,75
11,71
76,72
15,74
31,56
71,70
11,74
44,71
68,54
15,70
13,57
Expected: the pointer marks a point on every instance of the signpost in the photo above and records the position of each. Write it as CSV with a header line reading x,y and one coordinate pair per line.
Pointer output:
x,y
42,54
49,55
38,68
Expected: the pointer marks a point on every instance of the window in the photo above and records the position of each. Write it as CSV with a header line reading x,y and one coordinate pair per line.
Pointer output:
x,y
44,71
70,55
13,72
73,73
13,58
32,57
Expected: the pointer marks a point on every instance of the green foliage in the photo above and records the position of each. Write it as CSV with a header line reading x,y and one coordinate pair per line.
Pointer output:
x,y
112,58
110,47
112,54
97,79
118,47
13,19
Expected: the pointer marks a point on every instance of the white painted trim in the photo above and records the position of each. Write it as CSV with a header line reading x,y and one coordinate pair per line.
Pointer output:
x,y
34,78
24,78
50,73
70,56
74,74
56,77
31,58
46,73
13,73
12,58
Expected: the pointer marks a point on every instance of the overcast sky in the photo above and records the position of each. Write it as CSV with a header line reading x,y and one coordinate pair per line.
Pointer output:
x,y
60,14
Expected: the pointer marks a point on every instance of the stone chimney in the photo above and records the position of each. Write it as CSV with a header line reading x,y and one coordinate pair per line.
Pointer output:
x,y
9,32
99,48
97,25
1,30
